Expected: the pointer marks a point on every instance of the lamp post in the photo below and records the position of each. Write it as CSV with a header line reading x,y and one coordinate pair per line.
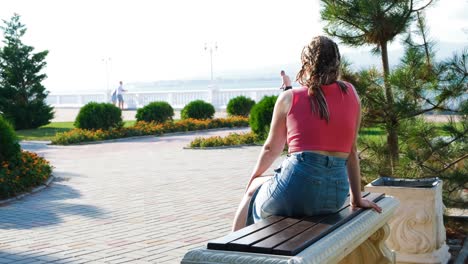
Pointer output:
x,y
107,61
211,49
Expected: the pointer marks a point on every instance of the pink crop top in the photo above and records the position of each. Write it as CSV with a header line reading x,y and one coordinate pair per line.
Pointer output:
x,y
306,131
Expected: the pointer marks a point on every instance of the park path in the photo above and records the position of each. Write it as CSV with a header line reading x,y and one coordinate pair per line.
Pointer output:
x,y
143,200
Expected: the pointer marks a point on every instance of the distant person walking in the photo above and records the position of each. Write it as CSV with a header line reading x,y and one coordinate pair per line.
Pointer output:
x,y
114,96
286,82
119,93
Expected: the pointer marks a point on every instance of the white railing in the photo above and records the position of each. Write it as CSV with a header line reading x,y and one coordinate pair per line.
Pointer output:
x,y
177,99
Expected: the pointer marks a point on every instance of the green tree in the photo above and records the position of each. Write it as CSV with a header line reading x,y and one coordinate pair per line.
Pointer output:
x,y
22,96
261,115
375,23
420,85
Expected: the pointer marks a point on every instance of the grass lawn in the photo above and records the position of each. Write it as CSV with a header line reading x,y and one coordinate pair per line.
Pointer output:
x,y
48,132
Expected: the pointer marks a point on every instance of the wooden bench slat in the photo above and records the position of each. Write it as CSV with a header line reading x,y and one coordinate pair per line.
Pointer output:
x,y
221,243
243,244
266,246
327,225
250,239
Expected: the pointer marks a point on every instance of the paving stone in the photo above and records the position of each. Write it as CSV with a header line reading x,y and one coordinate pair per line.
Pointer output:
x,y
143,200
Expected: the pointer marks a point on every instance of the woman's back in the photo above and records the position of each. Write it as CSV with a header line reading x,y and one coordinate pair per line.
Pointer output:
x,y
308,132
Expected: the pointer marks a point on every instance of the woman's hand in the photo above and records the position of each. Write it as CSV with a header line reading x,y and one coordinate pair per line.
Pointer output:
x,y
364,203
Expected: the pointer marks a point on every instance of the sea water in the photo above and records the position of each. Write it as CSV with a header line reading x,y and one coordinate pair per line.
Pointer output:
x,y
221,84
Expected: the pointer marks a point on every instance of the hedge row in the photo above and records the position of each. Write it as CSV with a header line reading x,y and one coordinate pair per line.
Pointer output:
x,y
105,116
20,171
23,173
232,139
143,128
9,146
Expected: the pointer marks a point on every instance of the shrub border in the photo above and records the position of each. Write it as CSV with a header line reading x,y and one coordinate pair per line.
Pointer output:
x,y
231,122
36,189
224,147
145,136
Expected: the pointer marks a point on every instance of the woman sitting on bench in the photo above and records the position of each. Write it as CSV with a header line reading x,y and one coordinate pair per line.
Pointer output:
x,y
320,123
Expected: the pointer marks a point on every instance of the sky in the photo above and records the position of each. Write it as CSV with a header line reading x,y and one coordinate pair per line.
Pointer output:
x,y
93,44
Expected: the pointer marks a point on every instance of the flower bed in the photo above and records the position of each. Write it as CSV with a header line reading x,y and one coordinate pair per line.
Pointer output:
x,y
23,173
232,139
143,128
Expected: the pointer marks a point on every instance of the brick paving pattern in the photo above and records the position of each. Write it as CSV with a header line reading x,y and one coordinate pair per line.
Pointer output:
x,y
144,200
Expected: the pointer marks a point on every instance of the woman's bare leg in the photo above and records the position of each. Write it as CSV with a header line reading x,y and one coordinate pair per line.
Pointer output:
x,y
241,214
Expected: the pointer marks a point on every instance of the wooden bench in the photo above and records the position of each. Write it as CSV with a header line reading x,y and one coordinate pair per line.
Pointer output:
x,y
348,236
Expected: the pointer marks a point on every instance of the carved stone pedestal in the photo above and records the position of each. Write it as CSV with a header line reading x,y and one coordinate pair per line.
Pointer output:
x,y
361,240
417,230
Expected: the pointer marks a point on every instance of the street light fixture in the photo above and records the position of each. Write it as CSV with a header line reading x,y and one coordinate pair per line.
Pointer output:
x,y
211,49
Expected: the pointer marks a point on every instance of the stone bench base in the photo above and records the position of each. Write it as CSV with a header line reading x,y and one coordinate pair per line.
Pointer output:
x,y
361,240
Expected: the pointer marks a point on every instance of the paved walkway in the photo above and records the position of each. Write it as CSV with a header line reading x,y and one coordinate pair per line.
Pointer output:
x,y
143,200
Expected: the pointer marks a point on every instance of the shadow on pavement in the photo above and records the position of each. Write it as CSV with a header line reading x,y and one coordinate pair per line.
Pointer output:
x,y
34,145
28,257
46,208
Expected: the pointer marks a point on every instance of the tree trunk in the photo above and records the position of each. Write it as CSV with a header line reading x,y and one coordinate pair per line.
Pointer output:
x,y
391,119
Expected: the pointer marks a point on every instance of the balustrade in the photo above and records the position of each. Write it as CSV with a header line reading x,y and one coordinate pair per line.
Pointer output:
x,y
177,99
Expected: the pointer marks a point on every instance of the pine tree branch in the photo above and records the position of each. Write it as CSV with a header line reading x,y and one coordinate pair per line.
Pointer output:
x,y
390,7
420,112
352,24
403,21
427,167
422,29
434,107
434,150
345,3
421,8
430,146
453,163
345,37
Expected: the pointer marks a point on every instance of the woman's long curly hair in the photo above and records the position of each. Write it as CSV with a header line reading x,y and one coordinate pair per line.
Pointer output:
x,y
320,66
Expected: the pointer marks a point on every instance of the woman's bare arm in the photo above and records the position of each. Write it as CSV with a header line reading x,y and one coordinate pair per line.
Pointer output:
x,y
354,171
276,140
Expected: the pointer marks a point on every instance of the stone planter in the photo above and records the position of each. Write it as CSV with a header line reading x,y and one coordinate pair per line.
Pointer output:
x,y
417,229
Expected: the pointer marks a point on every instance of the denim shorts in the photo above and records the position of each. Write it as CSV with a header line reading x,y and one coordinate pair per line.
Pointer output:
x,y
306,184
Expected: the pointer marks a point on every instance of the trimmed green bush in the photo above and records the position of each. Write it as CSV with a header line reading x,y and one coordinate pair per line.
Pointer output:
x,y
158,112
198,109
9,146
99,116
261,115
240,106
